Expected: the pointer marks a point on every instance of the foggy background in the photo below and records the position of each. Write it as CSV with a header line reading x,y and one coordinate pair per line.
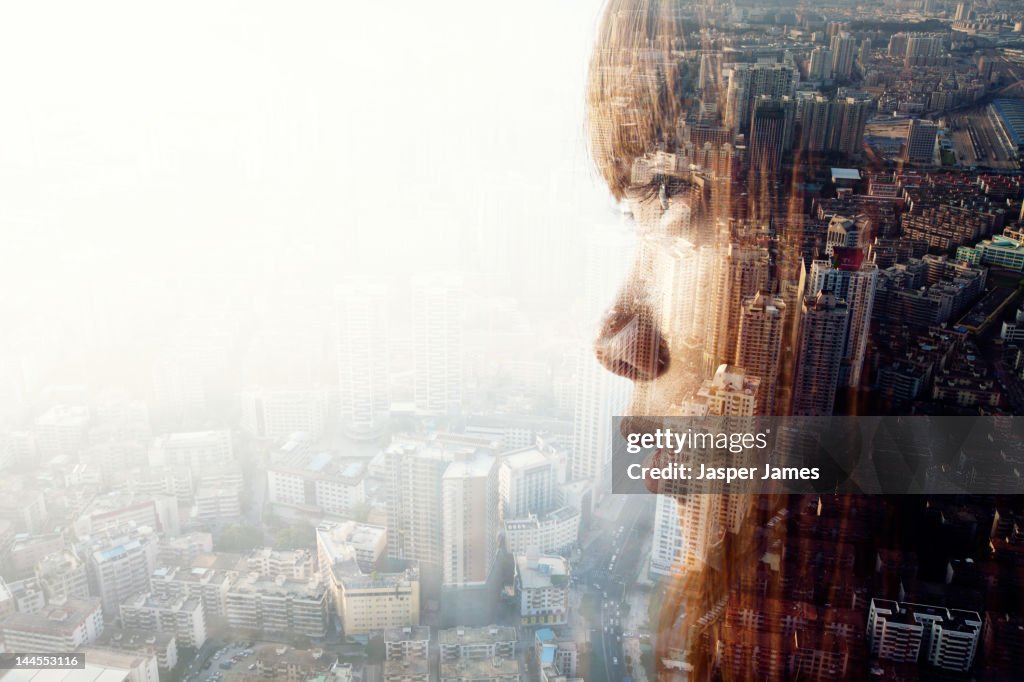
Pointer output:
x,y
176,172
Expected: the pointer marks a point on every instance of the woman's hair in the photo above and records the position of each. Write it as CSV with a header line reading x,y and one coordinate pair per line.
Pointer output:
x,y
634,99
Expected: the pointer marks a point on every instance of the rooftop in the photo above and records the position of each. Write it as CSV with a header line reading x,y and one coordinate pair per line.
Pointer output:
x,y
54,620
262,584
845,174
410,666
538,572
336,537
410,633
271,655
149,600
527,458
482,635
135,640
476,466
483,669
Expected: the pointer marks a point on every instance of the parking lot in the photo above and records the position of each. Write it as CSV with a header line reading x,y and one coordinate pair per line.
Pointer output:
x,y
234,656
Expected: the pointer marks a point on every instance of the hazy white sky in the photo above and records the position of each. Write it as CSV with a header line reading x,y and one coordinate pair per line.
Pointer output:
x,y
152,135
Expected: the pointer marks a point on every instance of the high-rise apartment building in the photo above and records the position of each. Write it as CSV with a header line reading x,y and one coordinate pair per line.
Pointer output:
x,y
62,575
816,115
528,481
771,132
920,144
819,67
851,277
923,49
738,274
906,633
844,53
119,565
759,350
469,524
437,343
276,605
686,526
747,82
851,118
361,323
832,125
183,616
365,600
207,584
416,469
820,355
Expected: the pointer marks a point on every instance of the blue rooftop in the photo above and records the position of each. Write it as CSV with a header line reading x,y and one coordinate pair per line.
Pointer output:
x,y
1011,111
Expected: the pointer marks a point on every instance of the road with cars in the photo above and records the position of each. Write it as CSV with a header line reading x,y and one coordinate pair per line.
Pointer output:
x,y
607,570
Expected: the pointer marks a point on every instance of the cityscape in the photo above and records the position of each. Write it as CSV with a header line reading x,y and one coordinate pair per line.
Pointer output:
x,y
275,464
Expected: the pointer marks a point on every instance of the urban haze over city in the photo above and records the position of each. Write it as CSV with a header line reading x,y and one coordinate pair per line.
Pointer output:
x,y
317,321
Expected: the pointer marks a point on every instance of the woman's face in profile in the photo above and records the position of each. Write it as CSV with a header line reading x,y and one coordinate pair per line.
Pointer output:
x,y
651,334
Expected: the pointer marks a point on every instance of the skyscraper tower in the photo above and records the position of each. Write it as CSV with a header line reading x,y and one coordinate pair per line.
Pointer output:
x,y
469,524
822,340
923,49
415,468
832,125
747,82
739,274
361,322
442,504
820,66
864,53
851,277
920,146
420,471
850,119
844,50
437,343
771,133
687,525
759,350
816,114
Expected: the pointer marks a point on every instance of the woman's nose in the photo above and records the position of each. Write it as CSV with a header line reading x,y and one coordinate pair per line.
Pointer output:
x,y
629,343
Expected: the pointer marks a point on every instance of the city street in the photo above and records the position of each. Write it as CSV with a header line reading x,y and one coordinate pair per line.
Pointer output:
x,y
607,571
